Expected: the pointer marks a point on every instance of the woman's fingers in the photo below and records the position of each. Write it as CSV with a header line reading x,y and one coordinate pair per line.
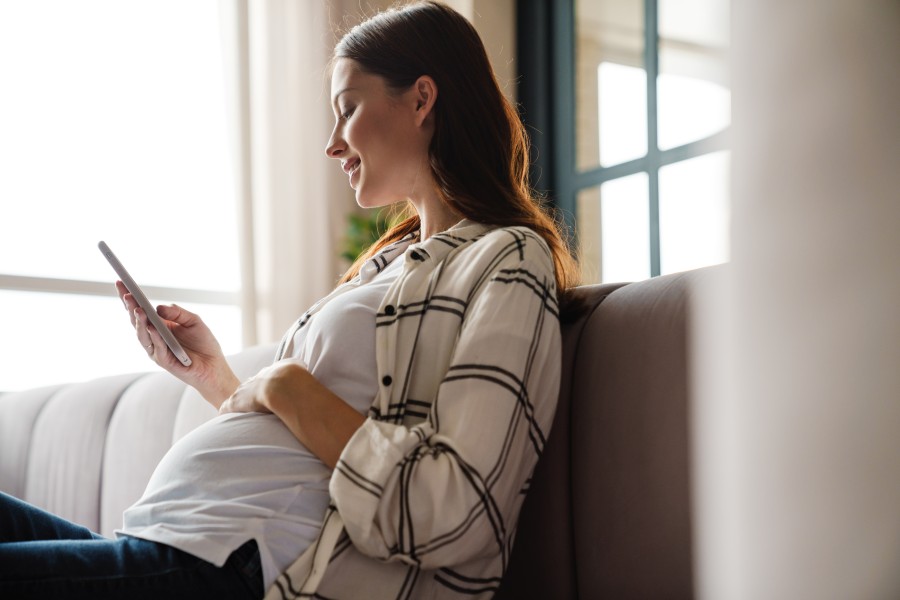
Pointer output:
x,y
143,330
121,290
127,299
192,332
149,338
158,349
138,320
154,344
147,335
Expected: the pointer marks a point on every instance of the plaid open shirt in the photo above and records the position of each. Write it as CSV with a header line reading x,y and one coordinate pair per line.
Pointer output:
x,y
426,494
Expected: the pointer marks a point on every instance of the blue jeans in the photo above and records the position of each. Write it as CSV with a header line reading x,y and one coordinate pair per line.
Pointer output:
x,y
44,556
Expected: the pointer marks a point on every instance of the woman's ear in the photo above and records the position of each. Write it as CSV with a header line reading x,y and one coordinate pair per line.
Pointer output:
x,y
425,94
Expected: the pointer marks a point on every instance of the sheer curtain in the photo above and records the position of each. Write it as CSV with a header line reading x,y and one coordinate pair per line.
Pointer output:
x,y
293,199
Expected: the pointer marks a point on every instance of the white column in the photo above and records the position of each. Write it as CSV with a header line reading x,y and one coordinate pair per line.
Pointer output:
x,y
797,412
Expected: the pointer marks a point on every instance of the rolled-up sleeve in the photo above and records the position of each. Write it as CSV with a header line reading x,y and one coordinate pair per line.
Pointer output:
x,y
449,489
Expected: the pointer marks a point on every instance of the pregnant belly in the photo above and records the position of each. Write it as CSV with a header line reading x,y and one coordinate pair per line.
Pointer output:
x,y
238,457
237,477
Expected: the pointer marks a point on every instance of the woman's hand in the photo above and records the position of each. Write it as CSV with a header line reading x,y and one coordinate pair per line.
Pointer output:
x,y
209,372
322,421
283,379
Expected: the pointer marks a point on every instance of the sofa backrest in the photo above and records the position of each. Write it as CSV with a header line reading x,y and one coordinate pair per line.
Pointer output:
x,y
608,512
85,451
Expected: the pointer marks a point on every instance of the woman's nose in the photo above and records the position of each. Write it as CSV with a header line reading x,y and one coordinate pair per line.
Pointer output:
x,y
336,146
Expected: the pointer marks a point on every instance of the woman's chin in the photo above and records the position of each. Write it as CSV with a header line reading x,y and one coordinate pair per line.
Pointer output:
x,y
364,204
368,200
363,200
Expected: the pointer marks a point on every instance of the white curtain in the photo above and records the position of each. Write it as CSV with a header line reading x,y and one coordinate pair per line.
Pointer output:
x,y
293,200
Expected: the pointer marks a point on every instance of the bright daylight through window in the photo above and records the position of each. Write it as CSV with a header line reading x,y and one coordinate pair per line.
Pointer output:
x,y
652,98
113,128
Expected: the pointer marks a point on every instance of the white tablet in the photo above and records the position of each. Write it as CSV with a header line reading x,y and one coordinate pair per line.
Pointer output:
x,y
142,301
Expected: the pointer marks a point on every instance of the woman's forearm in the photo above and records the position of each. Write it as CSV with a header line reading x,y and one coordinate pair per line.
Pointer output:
x,y
322,421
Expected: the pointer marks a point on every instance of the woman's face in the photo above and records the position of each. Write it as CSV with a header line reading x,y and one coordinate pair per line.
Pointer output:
x,y
379,137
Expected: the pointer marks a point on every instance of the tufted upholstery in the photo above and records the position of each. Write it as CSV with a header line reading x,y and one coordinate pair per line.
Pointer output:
x,y
85,451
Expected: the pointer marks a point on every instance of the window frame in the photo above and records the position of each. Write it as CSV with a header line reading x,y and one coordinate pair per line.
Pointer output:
x,y
54,285
547,102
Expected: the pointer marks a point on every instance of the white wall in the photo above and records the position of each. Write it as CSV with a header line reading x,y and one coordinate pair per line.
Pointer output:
x,y
798,404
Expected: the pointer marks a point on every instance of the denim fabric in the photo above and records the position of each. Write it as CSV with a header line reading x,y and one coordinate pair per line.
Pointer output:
x,y
44,556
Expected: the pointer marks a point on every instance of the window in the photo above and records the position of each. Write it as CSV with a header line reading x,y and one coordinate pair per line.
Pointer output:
x,y
114,128
628,104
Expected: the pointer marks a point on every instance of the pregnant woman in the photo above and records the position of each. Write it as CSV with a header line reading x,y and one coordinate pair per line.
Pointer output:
x,y
387,450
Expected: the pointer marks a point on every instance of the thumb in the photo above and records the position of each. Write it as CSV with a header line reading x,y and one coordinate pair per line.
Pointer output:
x,y
174,313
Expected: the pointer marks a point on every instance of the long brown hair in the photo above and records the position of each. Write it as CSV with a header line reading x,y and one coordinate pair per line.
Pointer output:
x,y
479,151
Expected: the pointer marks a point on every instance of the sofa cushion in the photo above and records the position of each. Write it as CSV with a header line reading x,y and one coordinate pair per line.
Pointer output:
x,y
608,514
66,452
18,413
140,433
543,561
630,453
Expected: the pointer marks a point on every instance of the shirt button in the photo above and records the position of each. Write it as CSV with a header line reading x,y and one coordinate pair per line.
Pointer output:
x,y
389,309
386,380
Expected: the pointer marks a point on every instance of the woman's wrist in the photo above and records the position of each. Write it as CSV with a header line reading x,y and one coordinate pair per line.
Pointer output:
x,y
220,388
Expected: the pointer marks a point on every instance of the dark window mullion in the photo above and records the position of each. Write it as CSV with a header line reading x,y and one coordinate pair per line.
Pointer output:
x,y
563,34
595,177
714,143
535,78
599,175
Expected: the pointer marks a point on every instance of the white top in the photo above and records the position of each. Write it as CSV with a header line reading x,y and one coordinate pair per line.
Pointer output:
x,y
245,475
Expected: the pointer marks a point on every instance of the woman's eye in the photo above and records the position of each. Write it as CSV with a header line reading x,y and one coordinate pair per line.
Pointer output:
x,y
347,114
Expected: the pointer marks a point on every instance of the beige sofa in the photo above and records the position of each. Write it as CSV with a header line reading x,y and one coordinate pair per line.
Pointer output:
x,y
608,514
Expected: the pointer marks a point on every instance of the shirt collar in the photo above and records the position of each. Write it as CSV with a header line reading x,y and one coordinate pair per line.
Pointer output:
x,y
441,244
433,249
385,256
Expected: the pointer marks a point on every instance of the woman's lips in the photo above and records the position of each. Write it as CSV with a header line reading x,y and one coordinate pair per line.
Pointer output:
x,y
353,173
350,165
